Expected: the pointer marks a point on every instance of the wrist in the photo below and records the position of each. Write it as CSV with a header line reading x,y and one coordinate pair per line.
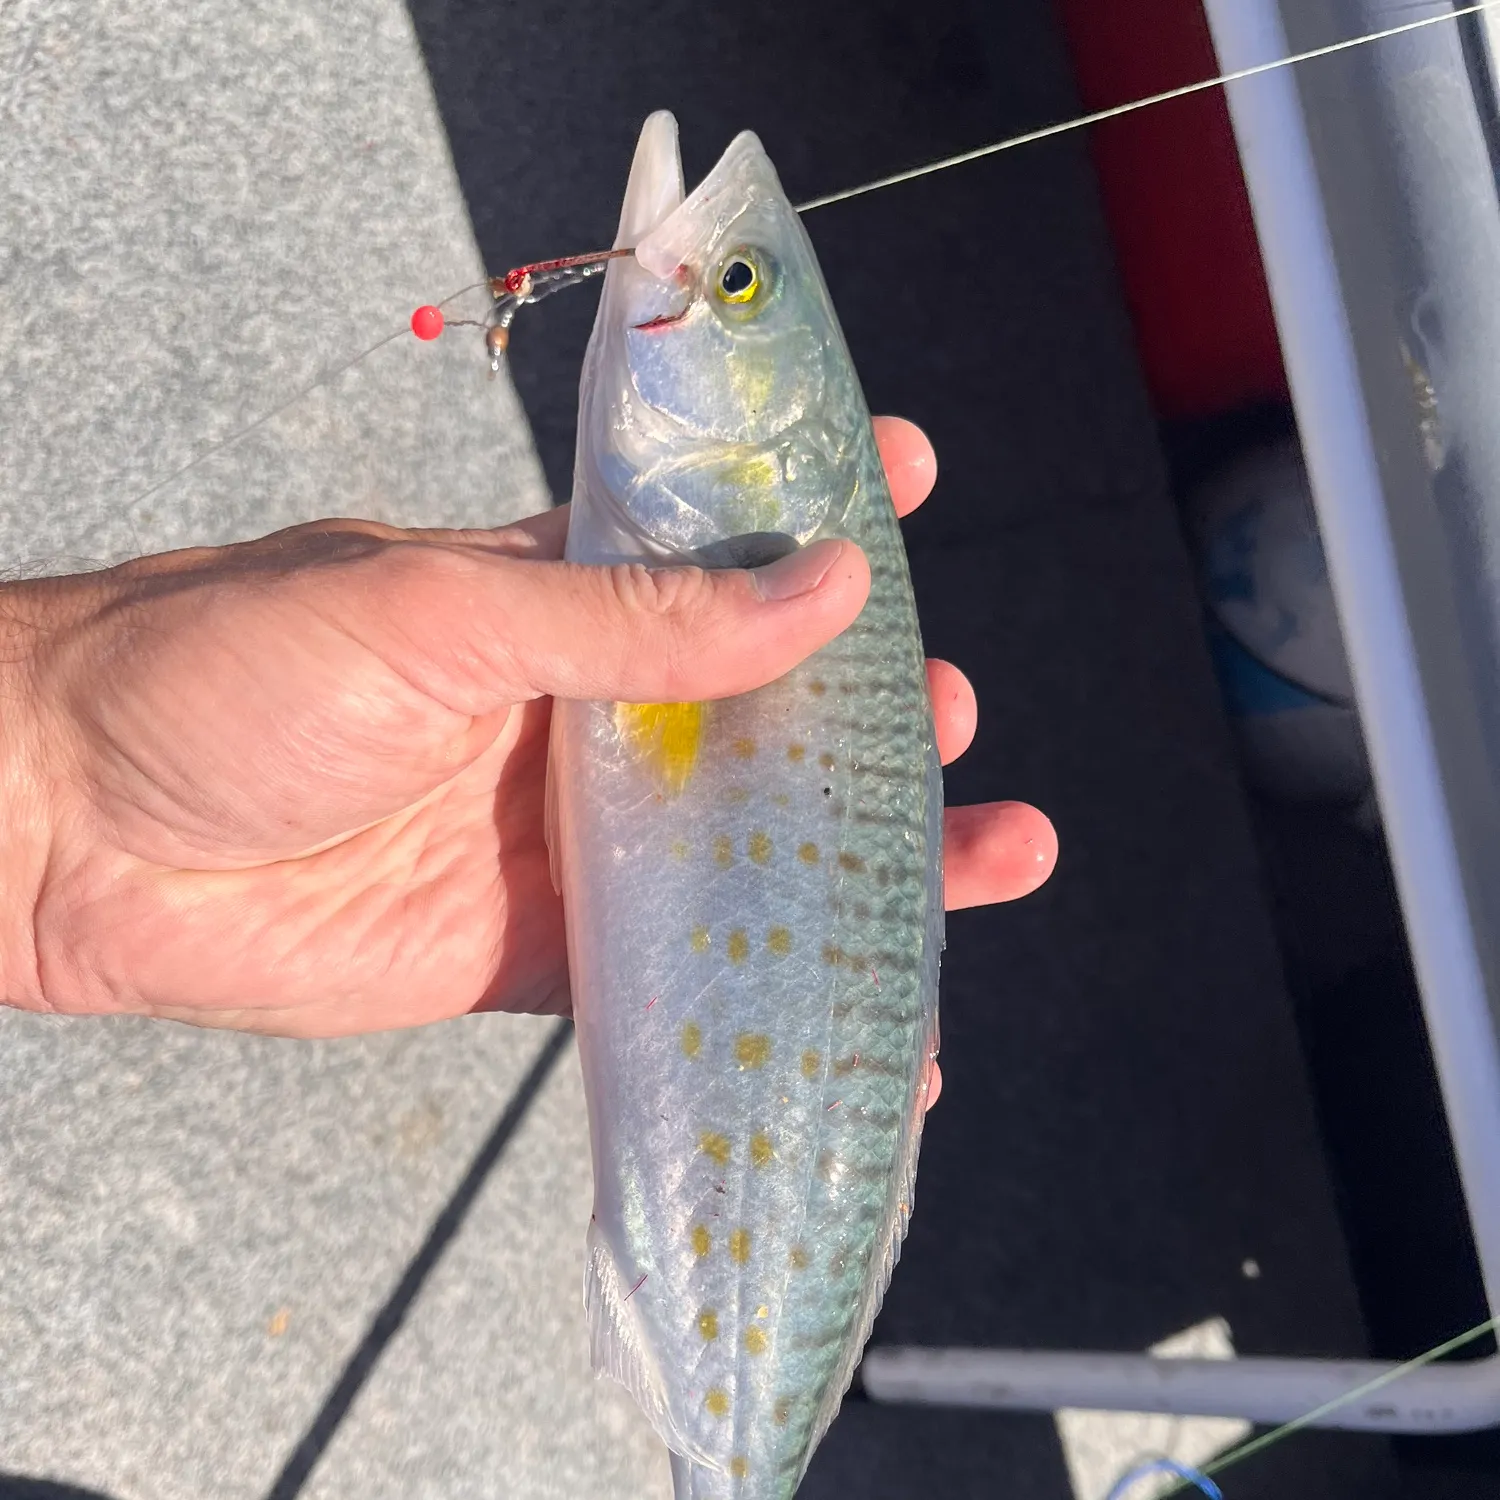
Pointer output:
x,y
25,825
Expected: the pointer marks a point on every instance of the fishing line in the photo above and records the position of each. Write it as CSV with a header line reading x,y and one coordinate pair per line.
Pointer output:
x,y
1276,1435
1116,111
324,379
1183,1472
514,286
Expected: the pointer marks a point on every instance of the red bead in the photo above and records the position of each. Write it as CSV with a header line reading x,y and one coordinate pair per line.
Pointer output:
x,y
427,322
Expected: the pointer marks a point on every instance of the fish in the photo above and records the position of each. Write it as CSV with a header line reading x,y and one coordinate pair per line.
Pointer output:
x,y
753,885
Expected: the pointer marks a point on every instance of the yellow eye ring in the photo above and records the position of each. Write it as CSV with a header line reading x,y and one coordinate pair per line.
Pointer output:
x,y
739,280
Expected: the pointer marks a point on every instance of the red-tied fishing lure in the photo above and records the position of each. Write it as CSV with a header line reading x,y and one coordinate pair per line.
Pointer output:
x,y
514,290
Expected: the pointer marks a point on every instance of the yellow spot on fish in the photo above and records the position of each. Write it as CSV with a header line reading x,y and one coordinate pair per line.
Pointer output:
x,y
739,1246
736,794
760,1150
715,1147
744,748
700,940
780,799
739,1466
812,1063
779,941
799,1258
817,687
844,1066
782,1412
724,851
832,955
762,1311
708,1323
751,483
851,862
752,1049
794,753
702,1241
680,849
760,847
692,1039
808,854
666,735
755,1341
738,946
716,1403
826,761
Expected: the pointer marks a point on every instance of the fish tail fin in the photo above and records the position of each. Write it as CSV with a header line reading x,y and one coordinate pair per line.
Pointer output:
x,y
684,1486
692,1481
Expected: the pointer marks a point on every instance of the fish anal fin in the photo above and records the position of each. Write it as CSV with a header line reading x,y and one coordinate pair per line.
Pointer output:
x,y
618,1350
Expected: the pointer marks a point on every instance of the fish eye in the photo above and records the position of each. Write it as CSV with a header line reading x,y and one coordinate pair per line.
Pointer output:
x,y
740,280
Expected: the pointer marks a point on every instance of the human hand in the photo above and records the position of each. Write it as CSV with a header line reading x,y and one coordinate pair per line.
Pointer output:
x,y
296,785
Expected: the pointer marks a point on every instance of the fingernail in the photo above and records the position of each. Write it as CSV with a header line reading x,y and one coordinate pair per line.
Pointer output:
x,y
798,574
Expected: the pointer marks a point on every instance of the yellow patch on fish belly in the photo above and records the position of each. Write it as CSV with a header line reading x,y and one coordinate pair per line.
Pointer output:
x,y
702,1241
752,1049
723,851
760,848
738,946
708,1324
744,747
812,1063
799,1258
851,862
808,854
715,1147
779,941
716,1402
667,736
739,1246
755,1341
827,761
794,753
700,940
692,1039
760,1150
739,1466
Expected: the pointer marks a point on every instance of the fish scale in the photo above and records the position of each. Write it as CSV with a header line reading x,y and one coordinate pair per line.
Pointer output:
x,y
753,895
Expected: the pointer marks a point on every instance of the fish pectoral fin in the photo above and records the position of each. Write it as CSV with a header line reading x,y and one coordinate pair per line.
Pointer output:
x,y
617,1348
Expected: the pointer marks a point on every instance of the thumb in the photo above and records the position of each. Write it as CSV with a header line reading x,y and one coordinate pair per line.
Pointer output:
x,y
638,634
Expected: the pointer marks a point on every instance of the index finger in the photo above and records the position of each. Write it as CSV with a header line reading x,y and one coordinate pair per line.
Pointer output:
x,y
910,463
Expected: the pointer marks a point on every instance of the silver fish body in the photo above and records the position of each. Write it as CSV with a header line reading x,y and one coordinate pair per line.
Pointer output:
x,y
753,886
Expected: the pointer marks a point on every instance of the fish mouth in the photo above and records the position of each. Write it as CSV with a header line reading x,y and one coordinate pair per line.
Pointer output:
x,y
655,188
